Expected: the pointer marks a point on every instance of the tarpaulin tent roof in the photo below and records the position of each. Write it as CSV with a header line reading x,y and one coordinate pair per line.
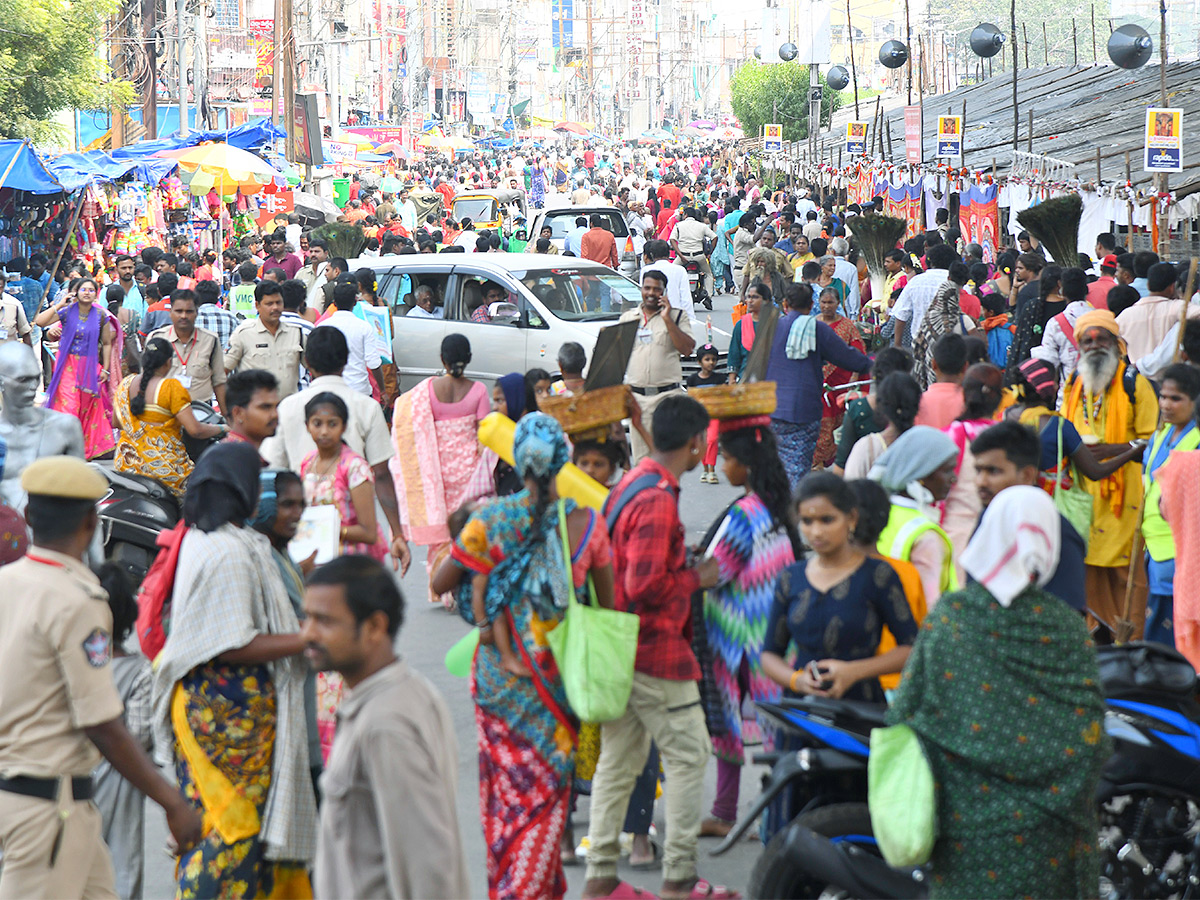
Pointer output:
x,y
23,170
76,169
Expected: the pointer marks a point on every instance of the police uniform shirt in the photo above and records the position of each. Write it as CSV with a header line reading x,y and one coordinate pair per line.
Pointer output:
x,y
654,361
55,673
199,365
252,346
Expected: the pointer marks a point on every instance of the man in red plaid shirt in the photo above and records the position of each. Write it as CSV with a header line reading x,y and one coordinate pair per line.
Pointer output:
x,y
656,581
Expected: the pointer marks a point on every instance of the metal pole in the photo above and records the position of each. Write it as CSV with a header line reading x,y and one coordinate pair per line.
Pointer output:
x,y
1016,60
853,67
181,62
908,43
1164,228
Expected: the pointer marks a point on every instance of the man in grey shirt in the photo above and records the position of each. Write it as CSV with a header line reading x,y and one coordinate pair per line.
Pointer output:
x,y
389,826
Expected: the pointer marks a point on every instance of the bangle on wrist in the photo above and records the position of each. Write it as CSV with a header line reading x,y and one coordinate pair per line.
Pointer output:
x,y
792,681
486,623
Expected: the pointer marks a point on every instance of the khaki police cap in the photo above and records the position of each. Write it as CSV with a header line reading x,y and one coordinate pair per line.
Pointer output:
x,y
63,476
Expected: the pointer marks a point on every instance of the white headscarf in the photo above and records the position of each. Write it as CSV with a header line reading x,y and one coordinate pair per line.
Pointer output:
x,y
1017,543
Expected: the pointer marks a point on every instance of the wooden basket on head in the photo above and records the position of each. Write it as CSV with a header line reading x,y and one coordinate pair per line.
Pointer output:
x,y
591,412
735,401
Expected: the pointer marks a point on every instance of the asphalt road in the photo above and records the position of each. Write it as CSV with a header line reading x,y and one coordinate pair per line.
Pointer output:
x,y
429,632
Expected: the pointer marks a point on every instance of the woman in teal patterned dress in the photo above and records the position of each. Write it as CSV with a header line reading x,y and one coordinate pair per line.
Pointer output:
x,y
1002,688
754,541
526,730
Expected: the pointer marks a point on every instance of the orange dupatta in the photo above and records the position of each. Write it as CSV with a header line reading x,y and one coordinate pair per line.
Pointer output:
x,y
1116,426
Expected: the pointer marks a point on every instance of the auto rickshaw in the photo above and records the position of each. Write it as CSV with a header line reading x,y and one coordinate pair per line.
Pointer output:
x,y
491,208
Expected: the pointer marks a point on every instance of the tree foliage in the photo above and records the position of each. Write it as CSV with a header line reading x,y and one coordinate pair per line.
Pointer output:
x,y
1055,43
51,60
761,94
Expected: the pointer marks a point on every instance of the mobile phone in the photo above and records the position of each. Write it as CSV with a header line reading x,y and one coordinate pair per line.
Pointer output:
x,y
815,673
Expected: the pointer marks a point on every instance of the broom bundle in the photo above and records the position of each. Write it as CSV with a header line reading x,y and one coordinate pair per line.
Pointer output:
x,y
876,236
1055,223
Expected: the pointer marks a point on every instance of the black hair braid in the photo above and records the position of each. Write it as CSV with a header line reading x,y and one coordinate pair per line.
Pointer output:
x,y
756,449
156,355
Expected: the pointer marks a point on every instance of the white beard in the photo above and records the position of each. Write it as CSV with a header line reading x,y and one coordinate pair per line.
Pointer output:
x,y
1097,369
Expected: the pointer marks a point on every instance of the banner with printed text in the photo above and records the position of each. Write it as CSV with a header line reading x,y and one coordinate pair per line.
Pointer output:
x,y
1164,140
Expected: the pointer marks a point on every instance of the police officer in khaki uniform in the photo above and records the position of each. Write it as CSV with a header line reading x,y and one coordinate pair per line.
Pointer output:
x,y
59,709
655,370
268,342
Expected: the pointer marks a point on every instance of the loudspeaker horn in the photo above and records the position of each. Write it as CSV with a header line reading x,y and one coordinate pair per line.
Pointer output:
x,y
1130,47
788,52
987,40
893,54
837,78
758,52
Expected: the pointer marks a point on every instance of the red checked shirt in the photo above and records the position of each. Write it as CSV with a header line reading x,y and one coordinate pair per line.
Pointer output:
x,y
653,580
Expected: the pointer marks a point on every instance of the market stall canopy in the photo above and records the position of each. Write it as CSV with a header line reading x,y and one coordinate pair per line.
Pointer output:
x,y
222,168
572,127
75,170
23,170
727,133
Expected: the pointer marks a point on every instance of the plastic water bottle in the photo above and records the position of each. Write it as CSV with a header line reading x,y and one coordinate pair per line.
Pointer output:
x,y
708,329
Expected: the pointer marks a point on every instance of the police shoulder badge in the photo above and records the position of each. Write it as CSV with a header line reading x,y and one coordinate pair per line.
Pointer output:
x,y
98,648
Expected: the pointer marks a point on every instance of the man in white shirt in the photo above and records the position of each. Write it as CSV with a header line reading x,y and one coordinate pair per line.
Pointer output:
x,y
424,309
914,300
313,273
846,272
360,338
656,258
407,211
574,239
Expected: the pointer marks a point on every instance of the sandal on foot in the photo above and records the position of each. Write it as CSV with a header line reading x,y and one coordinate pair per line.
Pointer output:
x,y
654,862
703,890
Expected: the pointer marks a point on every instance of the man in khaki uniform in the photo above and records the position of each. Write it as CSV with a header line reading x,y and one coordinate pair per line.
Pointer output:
x,y
13,324
267,342
654,369
198,362
59,709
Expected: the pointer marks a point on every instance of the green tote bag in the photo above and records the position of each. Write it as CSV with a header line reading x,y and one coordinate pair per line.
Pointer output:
x,y
595,649
901,796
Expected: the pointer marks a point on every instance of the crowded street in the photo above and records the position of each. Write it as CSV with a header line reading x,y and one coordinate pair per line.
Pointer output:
x,y
600,449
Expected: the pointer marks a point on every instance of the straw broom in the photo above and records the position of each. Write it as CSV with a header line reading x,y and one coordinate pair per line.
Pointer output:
x,y
877,235
1124,625
1055,223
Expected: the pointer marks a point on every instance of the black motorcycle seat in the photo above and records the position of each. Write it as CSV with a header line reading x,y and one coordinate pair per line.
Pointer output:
x,y
1143,667
871,714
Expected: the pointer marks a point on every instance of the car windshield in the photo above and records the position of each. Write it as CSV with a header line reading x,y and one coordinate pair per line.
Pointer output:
x,y
477,209
582,295
562,222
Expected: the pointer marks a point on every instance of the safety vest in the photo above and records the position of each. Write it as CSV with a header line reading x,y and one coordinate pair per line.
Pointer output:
x,y
905,526
1160,543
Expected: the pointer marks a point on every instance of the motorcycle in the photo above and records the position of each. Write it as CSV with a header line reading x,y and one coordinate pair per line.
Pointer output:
x,y
132,513
136,507
1148,799
696,282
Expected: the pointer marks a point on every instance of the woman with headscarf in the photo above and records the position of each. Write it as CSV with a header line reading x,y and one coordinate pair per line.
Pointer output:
x,y
945,316
917,471
1033,318
526,732
1003,691
280,506
983,388
229,694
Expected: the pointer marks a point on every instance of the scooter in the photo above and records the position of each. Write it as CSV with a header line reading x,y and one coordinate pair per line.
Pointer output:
x,y
1148,799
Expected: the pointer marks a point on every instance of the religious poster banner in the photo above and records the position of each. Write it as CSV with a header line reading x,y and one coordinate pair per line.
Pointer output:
x,y
914,150
979,217
772,138
1164,140
949,140
856,138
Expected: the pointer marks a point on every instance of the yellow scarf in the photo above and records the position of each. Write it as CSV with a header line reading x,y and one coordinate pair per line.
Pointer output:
x,y
1115,404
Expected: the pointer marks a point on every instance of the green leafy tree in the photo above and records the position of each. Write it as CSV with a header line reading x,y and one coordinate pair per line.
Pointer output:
x,y
777,93
51,60
1055,43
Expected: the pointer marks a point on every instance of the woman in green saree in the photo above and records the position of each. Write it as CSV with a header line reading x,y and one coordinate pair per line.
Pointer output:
x,y
1003,690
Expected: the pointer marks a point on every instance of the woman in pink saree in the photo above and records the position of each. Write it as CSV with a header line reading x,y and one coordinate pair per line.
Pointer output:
x,y
87,370
435,430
